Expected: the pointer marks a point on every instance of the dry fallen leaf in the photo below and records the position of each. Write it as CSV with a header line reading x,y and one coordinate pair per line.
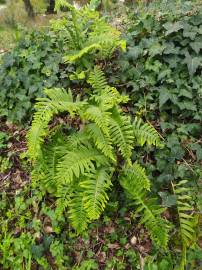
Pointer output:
x,y
114,246
133,240
48,229
102,257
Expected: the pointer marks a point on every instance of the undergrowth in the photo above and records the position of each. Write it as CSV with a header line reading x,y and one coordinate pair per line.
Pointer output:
x,y
108,176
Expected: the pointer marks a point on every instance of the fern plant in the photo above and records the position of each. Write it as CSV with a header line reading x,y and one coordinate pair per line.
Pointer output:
x,y
77,163
187,219
87,35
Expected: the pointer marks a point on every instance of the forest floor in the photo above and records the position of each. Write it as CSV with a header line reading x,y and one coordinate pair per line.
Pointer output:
x,y
15,176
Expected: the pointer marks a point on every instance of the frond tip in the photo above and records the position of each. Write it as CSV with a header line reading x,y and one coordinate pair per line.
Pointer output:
x,y
121,132
77,213
96,185
97,80
145,133
187,219
136,183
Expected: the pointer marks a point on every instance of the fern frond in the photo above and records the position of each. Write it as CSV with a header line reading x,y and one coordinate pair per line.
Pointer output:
x,y
187,219
64,198
77,212
136,173
145,133
136,183
38,131
121,132
63,3
48,163
77,162
97,80
75,56
102,142
99,116
58,100
45,166
74,140
109,98
96,185
105,35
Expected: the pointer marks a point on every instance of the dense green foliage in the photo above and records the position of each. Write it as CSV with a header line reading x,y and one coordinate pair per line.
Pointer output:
x,y
163,62
26,70
38,61
115,131
162,73
79,168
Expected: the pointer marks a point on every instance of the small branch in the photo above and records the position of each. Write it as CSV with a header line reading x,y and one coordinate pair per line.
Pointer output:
x,y
141,262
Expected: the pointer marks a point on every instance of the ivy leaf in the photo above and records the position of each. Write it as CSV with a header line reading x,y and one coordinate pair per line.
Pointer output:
x,y
172,27
196,20
185,93
196,46
192,63
164,74
156,49
189,31
198,148
134,52
200,30
187,105
163,97
168,200
153,65
170,48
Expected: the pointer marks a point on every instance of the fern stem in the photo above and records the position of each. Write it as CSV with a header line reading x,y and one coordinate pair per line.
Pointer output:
x,y
184,256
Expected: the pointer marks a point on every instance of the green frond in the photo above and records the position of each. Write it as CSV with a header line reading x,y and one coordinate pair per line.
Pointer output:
x,y
97,80
107,36
185,211
63,3
48,163
109,98
136,183
99,116
57,100
60,101
145,133
136,174
73,57
187,218
96,185
38,131
45,165
74,140
77,162
121,132
77,212
64,198
102,142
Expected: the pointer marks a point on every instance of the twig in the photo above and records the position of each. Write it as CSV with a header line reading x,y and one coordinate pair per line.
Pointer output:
x,y
188,165
141,262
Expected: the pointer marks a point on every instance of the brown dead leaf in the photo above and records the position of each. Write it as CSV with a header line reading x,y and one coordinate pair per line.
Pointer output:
x,y
109,229
133,240
48,229
114,246
166,214
101,256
